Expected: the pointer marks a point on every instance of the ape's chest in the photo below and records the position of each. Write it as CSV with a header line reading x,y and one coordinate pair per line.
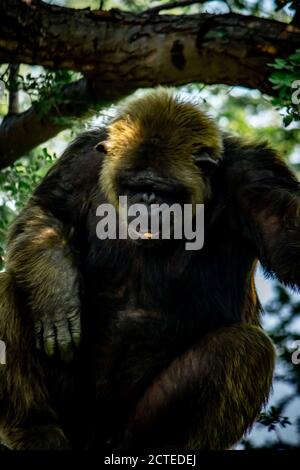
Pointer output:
x,y
140,292
194,291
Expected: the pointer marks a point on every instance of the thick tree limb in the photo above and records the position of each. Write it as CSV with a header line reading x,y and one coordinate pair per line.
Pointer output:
x,y
145,50
22,132
118,52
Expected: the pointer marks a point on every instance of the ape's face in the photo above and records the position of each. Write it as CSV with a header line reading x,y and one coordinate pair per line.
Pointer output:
x,y
160,150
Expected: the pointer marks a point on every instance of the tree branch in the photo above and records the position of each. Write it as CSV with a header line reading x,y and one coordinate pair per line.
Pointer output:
x,y
145,50
118,52
22,132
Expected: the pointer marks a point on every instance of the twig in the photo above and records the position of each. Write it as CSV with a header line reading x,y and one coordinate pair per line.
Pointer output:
x,y
169,6
296,18
13,99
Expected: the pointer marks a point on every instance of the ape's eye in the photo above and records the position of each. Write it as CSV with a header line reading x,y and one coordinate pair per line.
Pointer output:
x,y
203,159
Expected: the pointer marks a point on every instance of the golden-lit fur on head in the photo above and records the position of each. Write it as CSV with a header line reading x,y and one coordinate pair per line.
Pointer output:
x,y
160,130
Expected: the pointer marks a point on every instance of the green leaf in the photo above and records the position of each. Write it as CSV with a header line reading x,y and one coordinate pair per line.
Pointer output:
x,y
295,57
287,120
279,64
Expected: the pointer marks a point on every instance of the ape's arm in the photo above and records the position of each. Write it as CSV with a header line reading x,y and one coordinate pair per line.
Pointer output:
x,y
265,204
43,267
40,256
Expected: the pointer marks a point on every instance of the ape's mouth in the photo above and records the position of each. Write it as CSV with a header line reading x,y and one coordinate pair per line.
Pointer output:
x,y
149,235
146,237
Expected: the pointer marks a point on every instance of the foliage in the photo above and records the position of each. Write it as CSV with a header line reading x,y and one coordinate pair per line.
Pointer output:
x,y
16,185
272,418
283,310
285,77
42,86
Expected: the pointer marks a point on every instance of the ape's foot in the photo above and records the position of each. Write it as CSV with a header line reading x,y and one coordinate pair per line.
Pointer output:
x,y
43,437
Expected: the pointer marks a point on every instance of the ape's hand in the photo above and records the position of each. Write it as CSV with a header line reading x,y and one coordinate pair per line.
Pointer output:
x,y
58,331
40,259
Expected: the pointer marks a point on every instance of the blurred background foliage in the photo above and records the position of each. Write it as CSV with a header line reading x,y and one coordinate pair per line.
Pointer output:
x,y
238,110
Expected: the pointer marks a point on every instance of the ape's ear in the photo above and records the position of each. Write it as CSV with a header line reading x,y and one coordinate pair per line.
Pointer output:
x,y
102,147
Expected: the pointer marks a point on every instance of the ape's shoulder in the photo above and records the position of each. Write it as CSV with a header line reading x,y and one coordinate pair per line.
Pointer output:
x,y
241,151
80,161
246,162
67,187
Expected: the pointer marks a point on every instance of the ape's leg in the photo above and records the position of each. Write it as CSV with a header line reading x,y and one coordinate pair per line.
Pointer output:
x,y
26,418
208,397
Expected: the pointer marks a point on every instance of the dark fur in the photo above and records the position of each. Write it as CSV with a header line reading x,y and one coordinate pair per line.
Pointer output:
x,y
172,338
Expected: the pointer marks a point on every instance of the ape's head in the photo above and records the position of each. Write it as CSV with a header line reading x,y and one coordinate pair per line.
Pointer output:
x,y
159,149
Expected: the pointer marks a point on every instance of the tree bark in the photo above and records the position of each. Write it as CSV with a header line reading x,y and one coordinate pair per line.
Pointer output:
x,y
145,49
20,133
118,52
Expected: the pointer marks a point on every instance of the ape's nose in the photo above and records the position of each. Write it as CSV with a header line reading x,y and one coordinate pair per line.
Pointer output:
x,y
149,198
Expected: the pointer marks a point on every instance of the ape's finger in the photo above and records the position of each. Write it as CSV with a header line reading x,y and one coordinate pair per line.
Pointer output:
x,y
75,329
66,351
49,340
64,341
